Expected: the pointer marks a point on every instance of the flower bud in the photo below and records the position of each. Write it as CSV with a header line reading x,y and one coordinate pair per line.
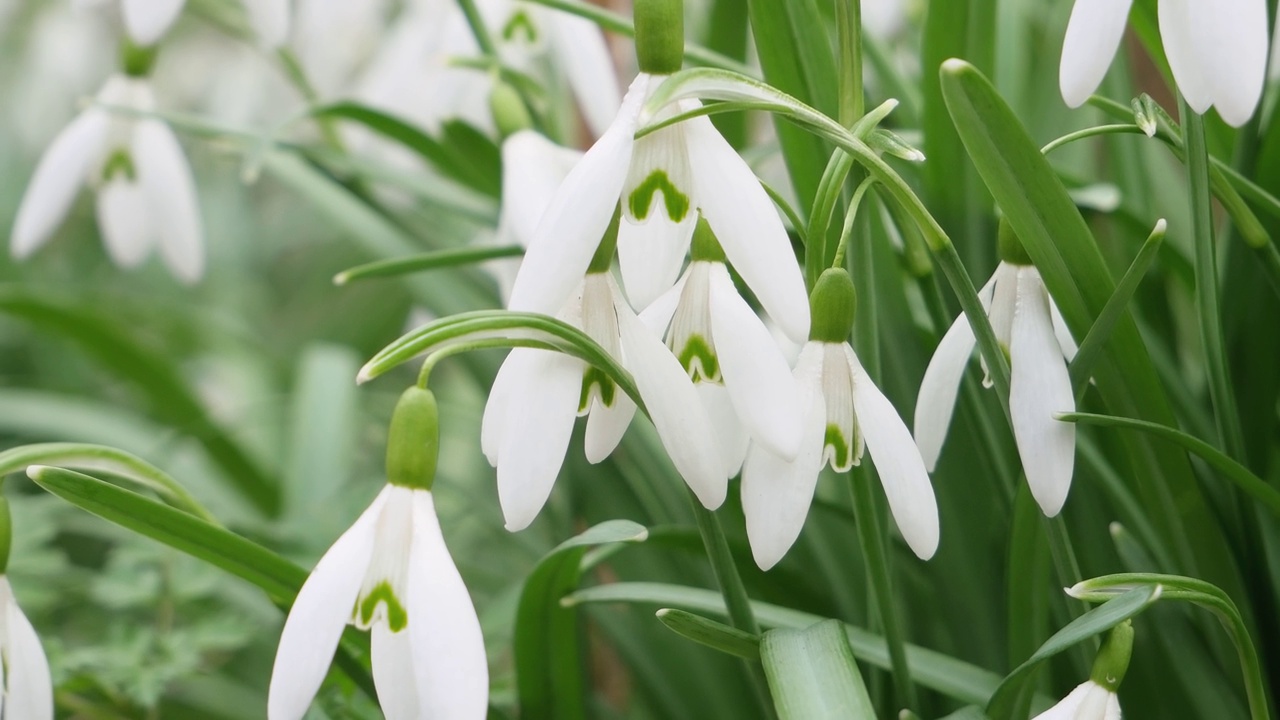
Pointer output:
x,y
413,442
1112,662
659,35
1010,247
509,112
832,305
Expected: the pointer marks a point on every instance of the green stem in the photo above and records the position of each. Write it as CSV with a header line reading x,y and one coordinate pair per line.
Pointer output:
x,y
298,77
478,29
1206,272
871,537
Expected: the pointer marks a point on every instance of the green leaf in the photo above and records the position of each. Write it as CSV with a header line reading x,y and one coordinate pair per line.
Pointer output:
x,y
813,675
1006,699
322,430
715,635
550,675
426,261
151,371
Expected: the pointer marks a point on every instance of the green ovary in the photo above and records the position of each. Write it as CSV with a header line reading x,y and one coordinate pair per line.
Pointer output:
x,y
676,202
700,360
397,618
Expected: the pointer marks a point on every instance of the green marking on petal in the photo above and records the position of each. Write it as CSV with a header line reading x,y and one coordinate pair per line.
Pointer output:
x,y
841,449
119,161
595,377
699,359
676,202
520,22
397,618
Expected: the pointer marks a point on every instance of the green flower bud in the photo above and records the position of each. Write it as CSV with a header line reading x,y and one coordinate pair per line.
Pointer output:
x,y
1112,662
659,35
1011,250
509,112
603,259
832,305
137,60
705,245
413,442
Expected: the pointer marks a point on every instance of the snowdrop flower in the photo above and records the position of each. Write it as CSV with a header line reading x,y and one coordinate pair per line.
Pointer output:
x,y
1217,50
842,410
741,375
1096,699
26,692
1031,330
146,194
662,180
146,21
391,574
536,395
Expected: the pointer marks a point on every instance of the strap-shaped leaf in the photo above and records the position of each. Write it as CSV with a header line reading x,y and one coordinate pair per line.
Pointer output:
x,y
812,674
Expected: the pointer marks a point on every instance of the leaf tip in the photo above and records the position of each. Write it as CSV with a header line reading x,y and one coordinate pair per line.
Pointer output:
x,y
341,278
955,66
36,472
366,374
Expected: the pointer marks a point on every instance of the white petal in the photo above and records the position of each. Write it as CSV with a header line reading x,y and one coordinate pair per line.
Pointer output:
x,y
902,471
748,227
583,55
760,384
147,20
732,438
681,421
607,425
319,614
937,400
571,228
270,20
30,691
650,254
449,657
1062,332
394,672
540,414
657,316
1093,36
1040,388
1179,29
511,375
775,493
1232,37
125,222
63,169
171,196
532,169
1068,707
1113,707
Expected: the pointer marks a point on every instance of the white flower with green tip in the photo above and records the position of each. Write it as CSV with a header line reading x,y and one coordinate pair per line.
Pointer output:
x,y
146,195
842,411
1031,331
1096,699
1217,50
391,574
26,691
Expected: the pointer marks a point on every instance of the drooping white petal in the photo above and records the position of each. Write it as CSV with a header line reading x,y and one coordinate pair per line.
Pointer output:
x,y
30,690
606,425
448,647
902,470
320,612
775,493
651,253
748,227
540,414
493,425
1093,36
166,178
581,51
732,438
1040,388
124,219
1062,332
270,20
62,171
1088,701
657,316
681,421
937,400
756,375
147,20
533,168
393,672
1179,30
572,226
1231,38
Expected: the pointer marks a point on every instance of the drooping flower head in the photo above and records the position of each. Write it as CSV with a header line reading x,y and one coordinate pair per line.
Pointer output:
x,y
1217,50
843,412
1031,331
1096,699
391,574
26,691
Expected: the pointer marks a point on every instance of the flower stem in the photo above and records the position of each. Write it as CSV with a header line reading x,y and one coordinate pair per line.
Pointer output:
x,y
298,77
478,29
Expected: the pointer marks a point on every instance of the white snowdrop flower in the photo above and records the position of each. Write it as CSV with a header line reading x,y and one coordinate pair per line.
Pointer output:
x,y
884,19
743,378
842,412
536,395
663,180
146,21
1089,701
26,691
1032,332
1217,50
146,194
391,574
